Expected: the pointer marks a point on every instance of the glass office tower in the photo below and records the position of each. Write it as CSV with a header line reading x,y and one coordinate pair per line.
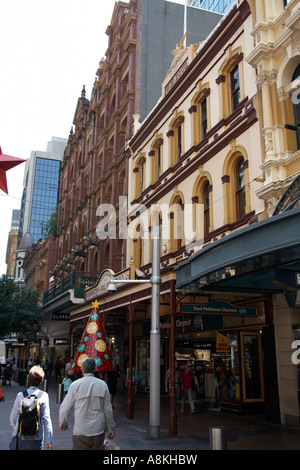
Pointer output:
x,y
41,187
45,194
220,6
39,199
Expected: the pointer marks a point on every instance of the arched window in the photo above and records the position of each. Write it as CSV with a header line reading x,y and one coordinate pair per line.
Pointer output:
x,y
240,189
156,159
235,87
138,247
176,224
95,263
296,105
179,141
200,111
203,118
202,206
176,134
139,171
231,83
206,191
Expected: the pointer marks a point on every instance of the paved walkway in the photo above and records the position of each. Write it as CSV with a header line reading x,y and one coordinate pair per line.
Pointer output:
x,y
243,432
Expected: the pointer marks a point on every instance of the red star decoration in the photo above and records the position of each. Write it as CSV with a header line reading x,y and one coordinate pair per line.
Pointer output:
x,y
6,163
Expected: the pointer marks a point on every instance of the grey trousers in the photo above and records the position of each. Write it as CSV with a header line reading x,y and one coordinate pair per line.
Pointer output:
x,y
88,442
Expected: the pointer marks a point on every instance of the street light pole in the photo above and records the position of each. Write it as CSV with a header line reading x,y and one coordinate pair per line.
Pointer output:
x,y
155,281
154,417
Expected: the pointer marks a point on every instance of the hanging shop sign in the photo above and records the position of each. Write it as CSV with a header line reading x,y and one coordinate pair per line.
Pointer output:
x,y
222,343
101,285
60,316
219,307
60,341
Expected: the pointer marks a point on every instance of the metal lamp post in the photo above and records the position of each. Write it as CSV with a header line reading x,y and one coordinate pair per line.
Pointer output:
x,y
155,338
155,281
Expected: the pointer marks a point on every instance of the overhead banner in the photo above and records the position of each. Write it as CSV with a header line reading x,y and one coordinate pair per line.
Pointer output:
x,y
219,307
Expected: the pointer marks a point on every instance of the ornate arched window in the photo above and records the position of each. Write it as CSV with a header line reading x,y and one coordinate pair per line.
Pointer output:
x,y
176,223
206,204
156,159
240,189
235,181
296,105
231,82
176,135
138,247
200,111
202,206
139,171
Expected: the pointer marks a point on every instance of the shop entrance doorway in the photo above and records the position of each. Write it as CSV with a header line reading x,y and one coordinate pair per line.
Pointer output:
x,y
227,367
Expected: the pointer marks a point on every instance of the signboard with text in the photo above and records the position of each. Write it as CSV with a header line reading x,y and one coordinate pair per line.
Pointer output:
x,y
218,307
187,323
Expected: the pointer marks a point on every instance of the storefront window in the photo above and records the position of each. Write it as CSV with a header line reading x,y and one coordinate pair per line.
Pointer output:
x,y
252,367
228,376
143,362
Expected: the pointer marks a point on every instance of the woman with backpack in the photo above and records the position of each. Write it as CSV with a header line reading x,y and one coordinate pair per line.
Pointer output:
x,y
30,416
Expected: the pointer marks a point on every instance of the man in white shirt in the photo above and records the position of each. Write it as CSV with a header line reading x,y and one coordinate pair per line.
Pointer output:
x,y
90,399
45,431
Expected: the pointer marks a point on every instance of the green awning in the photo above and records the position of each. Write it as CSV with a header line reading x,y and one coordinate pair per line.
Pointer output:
x,y
263,257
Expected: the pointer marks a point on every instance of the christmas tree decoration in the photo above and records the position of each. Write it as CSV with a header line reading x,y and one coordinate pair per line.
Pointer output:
x,y
6,163
94,344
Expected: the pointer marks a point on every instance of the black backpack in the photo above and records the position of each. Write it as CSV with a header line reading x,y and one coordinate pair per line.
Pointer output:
x,y
29,419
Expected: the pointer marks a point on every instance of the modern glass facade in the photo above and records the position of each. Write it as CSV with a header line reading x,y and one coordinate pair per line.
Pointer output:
x,y
45,194
219,6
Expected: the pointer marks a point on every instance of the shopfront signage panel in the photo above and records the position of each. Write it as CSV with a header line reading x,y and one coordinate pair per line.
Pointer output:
x,y
187,323
101,285
60,341
60,316
219,307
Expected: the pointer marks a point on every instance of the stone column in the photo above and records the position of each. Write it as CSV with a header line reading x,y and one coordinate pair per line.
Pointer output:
x,y
265,81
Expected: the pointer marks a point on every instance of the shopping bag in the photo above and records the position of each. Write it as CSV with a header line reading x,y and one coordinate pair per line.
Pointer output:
x,y
110,445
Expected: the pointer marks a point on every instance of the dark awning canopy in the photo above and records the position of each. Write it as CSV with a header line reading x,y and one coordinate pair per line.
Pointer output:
x,y
261,258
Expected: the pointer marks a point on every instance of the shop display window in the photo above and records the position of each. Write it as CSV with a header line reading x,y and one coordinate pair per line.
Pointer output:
x,y
252,371
227,371
143,362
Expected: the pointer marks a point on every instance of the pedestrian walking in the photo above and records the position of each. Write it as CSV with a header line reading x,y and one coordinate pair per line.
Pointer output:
x,y
186,383
112,377
68,370
90,399
58,367
135,378
32,441
177,380
7,374
45,368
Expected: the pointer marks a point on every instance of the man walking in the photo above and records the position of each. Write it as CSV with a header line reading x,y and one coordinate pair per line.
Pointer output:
x,y
90,399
